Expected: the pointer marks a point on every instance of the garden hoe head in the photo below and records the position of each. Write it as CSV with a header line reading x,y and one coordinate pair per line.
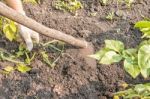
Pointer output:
x,y
86,48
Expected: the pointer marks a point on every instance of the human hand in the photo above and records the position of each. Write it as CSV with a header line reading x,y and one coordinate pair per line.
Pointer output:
x,y
28,34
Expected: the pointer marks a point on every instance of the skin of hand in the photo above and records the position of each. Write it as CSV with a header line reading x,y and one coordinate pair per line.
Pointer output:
x,y
26,33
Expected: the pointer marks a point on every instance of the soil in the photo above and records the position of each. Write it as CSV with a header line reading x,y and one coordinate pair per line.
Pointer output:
x,y
71,78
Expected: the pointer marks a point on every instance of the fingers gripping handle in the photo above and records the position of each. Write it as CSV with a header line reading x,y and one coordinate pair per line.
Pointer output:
x,y
32,24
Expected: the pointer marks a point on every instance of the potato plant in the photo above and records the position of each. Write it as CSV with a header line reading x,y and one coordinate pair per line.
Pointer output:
x,y
135,60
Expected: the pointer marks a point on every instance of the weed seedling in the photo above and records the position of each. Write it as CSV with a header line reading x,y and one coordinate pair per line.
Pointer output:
x,y
129,2
51,45
32,1
68,5
110,15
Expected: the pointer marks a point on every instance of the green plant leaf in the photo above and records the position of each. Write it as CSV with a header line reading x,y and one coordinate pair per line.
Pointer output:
x,y
8,32
139,88
23,68
144,27
71,5
142,24
116,97
27,60
125,92
131,68
114,45
46,58
145,42
146,32
145,73
144,59
99,54
110,57
130,53
147,86
13,27
1,23
9,69
30,1
132,96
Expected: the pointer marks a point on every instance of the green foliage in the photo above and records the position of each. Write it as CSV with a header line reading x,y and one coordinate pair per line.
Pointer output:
x,y
139,91
23,68
9,69
144,60
68,5
110,53
110,15
144,27
46,59
20,67
31,1
114,45
131,62
104,2
129,2
9,28
132,68
24,52
136,60
27,57
110,57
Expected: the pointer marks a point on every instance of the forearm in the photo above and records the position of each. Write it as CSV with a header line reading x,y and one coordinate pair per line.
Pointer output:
x,y
16,4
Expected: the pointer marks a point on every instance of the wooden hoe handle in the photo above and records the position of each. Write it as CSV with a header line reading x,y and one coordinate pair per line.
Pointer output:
x,y
32,24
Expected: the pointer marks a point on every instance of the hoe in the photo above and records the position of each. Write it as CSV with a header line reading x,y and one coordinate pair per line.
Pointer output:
x,y
85,48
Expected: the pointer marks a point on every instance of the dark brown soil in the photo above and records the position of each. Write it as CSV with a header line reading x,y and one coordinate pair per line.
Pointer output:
x,y
71,78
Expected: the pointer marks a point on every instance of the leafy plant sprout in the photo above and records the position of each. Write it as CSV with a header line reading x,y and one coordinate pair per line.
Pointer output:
x,y
68,5
136,61
129,2
31,1
110,15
